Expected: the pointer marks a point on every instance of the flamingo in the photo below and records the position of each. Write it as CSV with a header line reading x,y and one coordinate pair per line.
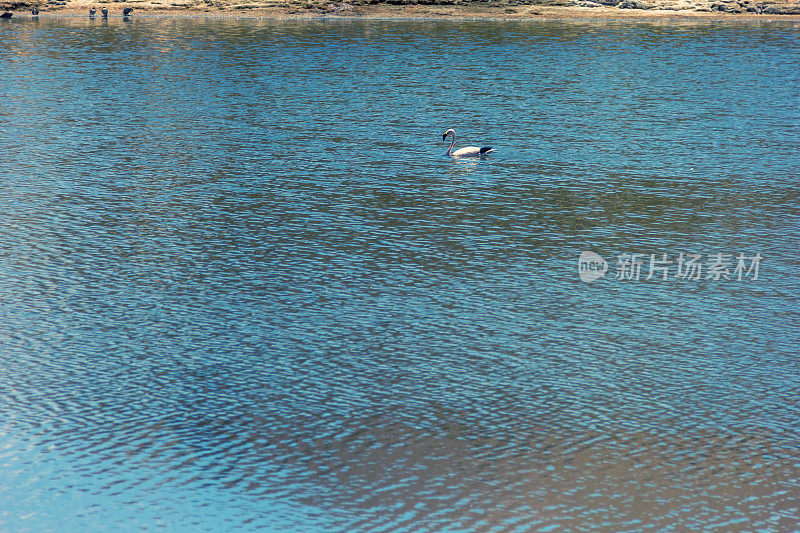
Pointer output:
x,y
467,151
92,11
104,11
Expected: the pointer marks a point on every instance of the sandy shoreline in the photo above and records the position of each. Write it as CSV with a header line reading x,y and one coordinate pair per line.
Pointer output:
x,y
677,10
565,13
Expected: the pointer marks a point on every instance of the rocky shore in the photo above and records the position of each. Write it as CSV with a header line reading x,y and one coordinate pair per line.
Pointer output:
x,y
495,9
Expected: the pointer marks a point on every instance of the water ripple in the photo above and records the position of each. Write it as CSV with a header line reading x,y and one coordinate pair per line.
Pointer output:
x,y
242,290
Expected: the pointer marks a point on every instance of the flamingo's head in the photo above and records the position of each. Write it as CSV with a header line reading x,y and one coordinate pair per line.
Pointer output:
x,y
448,132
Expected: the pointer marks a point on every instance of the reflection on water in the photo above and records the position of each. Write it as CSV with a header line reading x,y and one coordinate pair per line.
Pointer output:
x,y
243,287
464,167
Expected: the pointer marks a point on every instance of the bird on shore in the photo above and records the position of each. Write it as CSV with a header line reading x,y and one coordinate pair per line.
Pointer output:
x,y
467,151
5,15
104,11
127,11
92,12
35,11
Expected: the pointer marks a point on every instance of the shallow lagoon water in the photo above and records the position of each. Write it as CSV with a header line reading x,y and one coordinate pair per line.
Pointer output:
x,y
242,287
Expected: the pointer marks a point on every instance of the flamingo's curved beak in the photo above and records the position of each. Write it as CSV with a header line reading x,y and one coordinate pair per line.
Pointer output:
x,y
444,135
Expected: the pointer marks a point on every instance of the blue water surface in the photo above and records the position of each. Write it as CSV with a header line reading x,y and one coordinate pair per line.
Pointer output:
x,y
242,287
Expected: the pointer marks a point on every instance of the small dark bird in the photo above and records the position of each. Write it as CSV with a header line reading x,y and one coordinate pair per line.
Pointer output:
x,y
35,11
127,11
6,15
92,12
104,11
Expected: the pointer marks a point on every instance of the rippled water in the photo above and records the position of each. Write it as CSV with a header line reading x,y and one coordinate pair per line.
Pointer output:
x,y
242,286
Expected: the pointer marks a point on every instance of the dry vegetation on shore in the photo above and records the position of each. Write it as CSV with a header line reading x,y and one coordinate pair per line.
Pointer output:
x,y
495,9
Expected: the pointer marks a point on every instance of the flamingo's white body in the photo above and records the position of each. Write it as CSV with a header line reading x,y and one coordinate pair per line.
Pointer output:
x,y
467,151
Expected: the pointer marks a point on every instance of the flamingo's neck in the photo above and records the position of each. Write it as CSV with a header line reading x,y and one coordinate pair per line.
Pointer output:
x,y
452,143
